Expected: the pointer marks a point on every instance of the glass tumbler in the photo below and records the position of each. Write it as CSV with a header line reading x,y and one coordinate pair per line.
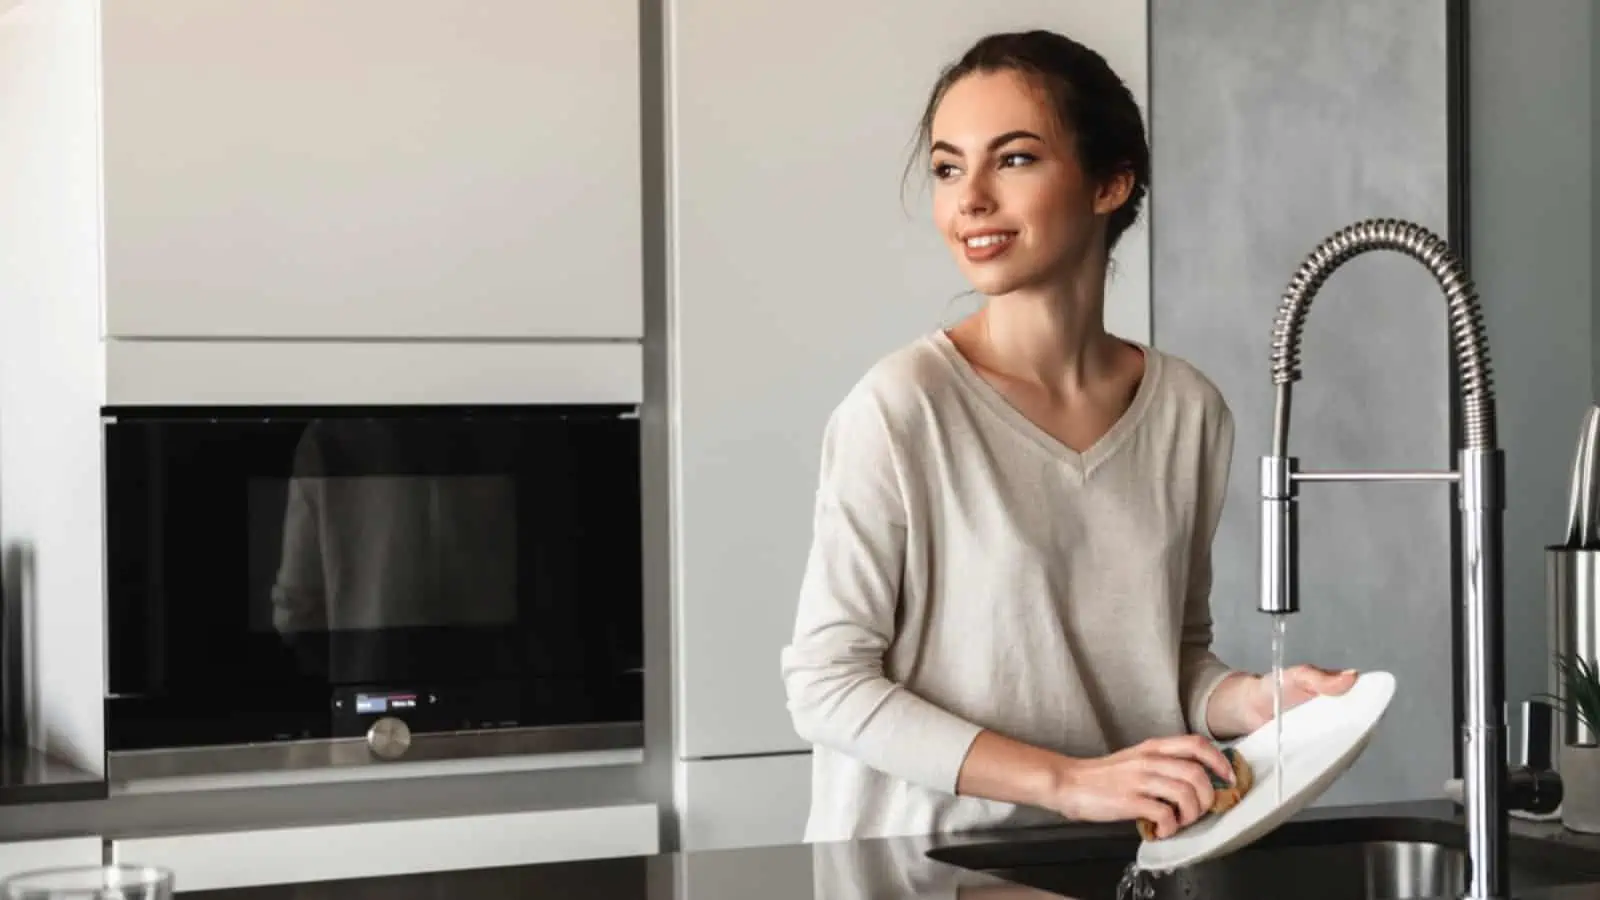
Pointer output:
x,y
114,882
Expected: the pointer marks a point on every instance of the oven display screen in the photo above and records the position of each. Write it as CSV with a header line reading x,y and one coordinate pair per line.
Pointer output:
x,y
382,703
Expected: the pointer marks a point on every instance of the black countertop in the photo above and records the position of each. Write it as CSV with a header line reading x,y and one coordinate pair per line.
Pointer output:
x,y
29,776
899,868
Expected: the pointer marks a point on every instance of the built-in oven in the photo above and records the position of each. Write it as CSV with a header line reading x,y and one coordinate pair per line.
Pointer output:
x,y
328,586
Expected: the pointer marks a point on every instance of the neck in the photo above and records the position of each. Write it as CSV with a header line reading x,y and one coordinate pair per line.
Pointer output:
x,y
1055,336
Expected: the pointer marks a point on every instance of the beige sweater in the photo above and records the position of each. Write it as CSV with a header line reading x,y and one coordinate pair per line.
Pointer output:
x,y
970,571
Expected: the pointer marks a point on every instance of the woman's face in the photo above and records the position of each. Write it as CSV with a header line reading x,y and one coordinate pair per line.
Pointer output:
x,y
1009,195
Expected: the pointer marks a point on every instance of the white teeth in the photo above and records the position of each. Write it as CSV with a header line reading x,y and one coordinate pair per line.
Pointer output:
x,y
987,240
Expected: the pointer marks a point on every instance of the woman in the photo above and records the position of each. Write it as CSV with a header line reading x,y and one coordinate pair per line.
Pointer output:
x,y
1005,616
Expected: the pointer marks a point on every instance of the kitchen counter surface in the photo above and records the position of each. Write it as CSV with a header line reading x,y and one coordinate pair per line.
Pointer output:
x,y
29,776
878,869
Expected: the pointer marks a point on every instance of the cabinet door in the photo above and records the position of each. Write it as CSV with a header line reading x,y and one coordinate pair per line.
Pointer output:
x,y
234,859
798,264
372,168
758,801
28,856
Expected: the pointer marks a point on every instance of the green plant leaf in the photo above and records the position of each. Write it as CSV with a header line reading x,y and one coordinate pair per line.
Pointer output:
x,y
1581,682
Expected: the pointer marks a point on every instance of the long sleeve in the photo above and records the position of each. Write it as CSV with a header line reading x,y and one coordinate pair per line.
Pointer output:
x,y
1199,669
833,670
299,593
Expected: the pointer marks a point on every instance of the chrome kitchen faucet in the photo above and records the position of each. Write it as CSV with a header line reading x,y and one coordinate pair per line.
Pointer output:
x,y
1480,473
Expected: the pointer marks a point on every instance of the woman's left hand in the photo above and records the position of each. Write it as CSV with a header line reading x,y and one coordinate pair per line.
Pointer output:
x,y
1243,702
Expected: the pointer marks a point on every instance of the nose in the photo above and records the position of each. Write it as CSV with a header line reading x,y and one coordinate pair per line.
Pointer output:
x,y
975,199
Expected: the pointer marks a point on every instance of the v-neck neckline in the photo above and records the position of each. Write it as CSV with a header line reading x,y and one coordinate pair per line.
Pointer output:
x,y
1085,461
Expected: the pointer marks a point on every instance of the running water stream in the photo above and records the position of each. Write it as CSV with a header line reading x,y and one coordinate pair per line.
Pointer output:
x,y
1137,883
1278,634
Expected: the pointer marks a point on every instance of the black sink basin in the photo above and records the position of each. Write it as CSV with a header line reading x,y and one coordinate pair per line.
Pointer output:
x,y
1376,858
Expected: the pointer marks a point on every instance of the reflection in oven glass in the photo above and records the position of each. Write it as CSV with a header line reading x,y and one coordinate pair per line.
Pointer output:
x,y
373,552
396,551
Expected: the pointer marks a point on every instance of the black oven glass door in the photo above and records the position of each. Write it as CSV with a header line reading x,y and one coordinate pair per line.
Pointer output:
x,y
284,574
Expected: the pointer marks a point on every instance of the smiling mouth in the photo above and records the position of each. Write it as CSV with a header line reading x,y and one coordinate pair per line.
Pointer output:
x,y
979,242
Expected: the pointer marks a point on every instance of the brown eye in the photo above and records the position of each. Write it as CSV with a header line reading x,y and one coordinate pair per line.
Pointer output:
x,y
1018,159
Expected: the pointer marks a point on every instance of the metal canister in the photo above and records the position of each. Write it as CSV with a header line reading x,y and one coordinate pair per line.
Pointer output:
x,y
1572,578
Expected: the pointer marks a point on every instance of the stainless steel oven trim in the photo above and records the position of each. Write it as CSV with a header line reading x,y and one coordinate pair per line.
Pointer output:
x,y
135,765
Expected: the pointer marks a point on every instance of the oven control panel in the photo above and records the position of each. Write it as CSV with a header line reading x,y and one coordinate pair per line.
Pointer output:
x,y
425,708
357,709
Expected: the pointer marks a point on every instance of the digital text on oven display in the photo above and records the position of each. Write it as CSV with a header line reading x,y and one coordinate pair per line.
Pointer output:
x,y
378,703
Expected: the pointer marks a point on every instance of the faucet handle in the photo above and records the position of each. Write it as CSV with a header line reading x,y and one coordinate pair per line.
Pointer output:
x,y
1280,536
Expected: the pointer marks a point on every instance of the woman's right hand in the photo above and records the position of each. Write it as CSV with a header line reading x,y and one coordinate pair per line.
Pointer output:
x,y
1162,779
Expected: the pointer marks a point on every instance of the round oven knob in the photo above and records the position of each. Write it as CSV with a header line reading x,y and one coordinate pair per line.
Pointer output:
x,y
389,738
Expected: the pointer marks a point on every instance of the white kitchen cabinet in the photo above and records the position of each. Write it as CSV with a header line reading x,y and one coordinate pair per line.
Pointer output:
x,y
326,195
27,856
375,372
233,859
798,263
371,168
750,802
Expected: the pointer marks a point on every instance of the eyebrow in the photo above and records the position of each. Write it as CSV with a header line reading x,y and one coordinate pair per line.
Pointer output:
x,y
998,142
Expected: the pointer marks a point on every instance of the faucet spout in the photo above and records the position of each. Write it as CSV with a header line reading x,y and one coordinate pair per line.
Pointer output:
x,y
1470,345
1480,475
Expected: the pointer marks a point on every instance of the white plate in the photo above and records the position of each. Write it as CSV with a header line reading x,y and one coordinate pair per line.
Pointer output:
x,y
1321,739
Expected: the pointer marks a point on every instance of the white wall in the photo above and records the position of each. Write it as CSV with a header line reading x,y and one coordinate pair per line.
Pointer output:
x,y
798,262
50,365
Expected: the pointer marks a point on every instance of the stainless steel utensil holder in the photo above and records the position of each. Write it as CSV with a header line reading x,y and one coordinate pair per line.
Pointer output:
x,y
1572,582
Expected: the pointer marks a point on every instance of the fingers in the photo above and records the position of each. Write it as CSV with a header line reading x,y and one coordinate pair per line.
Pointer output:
x,y
1197,748
1164,816
1178,792
1314,680
1194,777
1172,784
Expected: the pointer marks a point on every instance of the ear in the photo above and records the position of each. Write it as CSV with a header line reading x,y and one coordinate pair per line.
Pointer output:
x,y
1113,192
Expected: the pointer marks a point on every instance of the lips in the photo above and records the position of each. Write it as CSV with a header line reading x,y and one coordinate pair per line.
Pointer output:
x,y
986,245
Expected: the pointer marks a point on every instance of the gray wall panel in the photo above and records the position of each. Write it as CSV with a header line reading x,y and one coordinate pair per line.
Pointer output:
x,y
1274,125
1529,186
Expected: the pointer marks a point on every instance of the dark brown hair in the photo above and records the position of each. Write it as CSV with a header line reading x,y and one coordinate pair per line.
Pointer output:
x,y
1090,100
